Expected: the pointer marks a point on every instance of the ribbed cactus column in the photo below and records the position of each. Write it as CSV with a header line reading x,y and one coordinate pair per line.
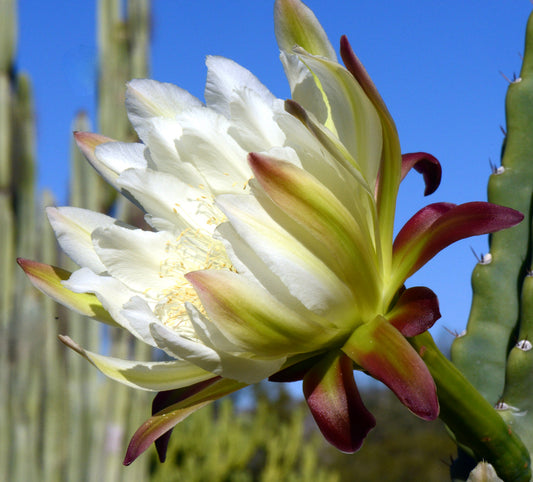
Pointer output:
x,y
7,47
50,401
53,418
516,403
139,21
29,395
84,411
26,326
516,406
123,54
19,304
495,354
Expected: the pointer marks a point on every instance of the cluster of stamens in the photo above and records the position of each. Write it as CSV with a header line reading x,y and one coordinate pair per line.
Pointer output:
x,y
192,250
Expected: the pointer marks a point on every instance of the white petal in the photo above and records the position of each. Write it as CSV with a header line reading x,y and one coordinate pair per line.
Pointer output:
x,y
112,158
307,278
166,197
339,176
208,333
205,143
154,376
296,24
256,321
304,89
179,346
73,228
224,76
237,368
247,263
160,136
253,124
355,118
142,260
109,291
139,316
148,98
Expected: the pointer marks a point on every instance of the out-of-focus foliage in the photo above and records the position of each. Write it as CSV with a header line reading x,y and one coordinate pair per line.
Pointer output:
x,y
276,440
401,447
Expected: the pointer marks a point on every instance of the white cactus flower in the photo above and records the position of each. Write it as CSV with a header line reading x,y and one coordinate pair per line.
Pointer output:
x,y
270,252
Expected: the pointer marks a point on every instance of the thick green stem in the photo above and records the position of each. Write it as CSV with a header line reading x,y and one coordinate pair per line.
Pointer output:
x,y
477,426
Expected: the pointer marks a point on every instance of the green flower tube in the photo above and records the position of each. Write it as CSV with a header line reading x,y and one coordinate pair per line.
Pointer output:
x,y
478,428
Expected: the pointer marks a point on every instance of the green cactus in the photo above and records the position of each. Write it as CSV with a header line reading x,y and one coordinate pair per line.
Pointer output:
x,y
18,302
123,54
495,354
7,51
52,403
7,220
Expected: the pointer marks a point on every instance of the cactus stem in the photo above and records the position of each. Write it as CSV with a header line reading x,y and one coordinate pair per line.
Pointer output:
x,y
474,421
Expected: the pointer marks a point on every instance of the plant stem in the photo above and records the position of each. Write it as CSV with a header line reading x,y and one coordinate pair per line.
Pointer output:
x,y
477,426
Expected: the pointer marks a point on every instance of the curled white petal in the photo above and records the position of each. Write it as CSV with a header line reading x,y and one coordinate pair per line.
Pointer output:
x,y
168,198
206,144
109,291
224,78
137,258
116,157
238,368
73,228
153,376
147,98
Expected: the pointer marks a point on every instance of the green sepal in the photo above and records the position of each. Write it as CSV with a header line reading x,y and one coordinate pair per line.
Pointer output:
x,y
48,279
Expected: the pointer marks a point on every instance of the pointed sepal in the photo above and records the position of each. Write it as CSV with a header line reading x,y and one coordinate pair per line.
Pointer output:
x,y
416,311
332,396
352,116
154,376
425,164
390,168
295,24
88,142
356,68
252,318
438,225
167,398
382,351
48,279
329,141
342,243
167,418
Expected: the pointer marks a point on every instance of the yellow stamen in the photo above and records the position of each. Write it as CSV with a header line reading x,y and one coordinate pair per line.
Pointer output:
x,y
193,250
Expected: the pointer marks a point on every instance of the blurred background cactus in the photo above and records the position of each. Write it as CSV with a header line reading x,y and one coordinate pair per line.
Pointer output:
x,y
63,420
495,353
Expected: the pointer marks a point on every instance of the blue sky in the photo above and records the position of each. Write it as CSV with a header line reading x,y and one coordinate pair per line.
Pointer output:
x,y
435,62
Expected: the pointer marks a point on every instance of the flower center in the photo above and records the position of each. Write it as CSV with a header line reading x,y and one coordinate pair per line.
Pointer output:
x,y
193,250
